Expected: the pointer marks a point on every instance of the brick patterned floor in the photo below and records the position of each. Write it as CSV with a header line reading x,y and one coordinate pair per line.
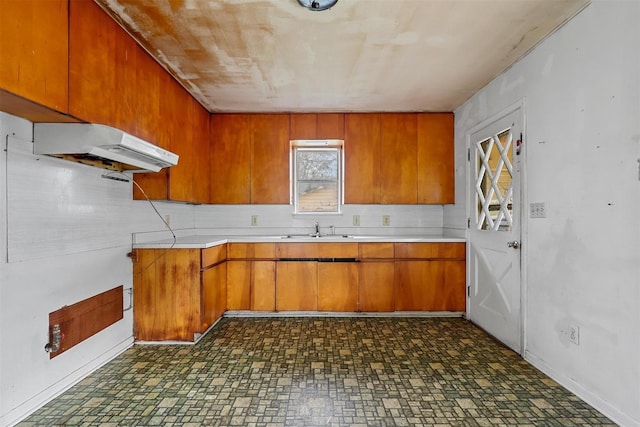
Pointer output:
x,y
322,372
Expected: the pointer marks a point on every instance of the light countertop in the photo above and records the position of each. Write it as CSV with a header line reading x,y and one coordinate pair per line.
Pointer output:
x,y
206,241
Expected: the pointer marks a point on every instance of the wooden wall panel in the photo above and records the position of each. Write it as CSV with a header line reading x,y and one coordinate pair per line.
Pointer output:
x,y
330,126
86,318
303,126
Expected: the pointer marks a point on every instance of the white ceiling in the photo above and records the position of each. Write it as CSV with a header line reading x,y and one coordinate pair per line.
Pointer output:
x,y
361,55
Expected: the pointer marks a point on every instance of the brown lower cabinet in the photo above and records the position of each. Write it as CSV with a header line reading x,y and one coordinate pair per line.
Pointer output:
x,y
251,285
297,286
437,285
178,293
338,286
376,286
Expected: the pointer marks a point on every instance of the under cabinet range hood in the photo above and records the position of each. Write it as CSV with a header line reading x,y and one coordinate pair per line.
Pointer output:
x,y
101,146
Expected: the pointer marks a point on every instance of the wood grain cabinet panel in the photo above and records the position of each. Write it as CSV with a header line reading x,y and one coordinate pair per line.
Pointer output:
x,y
34,44
316,126
376,292
297,286
263,286
303,126
362,158
239,285
399,176
436,180
429,286
214,297
174,298
270,159
230,163
338,286
167,294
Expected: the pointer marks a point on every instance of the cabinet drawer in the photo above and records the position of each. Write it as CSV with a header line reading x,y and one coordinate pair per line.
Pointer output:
x,y
317,250
214,255
430,250
251,251
375,251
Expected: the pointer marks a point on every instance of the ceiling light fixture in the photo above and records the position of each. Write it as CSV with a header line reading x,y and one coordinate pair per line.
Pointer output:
x,y
317,5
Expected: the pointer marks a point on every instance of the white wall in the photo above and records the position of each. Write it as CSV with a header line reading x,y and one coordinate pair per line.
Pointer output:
x,y
581,88
65,235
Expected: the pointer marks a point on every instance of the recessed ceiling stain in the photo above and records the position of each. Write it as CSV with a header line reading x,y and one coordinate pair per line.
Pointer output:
x,y
360,55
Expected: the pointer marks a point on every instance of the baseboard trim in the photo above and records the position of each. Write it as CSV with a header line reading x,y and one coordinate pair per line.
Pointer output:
x,y
249,313
614,414
31,405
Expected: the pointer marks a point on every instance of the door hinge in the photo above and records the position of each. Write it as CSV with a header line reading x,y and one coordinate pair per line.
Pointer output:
x,y
519,143
468,291
468,222
468,154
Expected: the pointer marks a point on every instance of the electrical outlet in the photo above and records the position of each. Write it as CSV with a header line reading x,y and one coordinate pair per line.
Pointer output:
x,y
537,210
356,220
574,334
254,220
386,220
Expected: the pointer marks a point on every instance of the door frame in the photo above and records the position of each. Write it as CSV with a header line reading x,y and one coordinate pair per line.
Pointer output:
x,y
524,202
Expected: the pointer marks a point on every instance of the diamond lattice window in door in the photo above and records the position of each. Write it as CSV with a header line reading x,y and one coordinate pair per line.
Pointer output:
x,y
494,182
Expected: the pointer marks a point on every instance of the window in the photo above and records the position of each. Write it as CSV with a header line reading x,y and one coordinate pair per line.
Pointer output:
x,y
317,176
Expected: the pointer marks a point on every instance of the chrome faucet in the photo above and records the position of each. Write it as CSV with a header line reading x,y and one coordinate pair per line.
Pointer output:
x,y
317,225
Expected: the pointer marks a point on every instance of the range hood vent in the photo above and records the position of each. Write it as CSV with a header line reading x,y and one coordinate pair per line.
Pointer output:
x,y
100,146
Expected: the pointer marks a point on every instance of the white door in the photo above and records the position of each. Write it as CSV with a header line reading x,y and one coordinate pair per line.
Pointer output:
x,y
494,228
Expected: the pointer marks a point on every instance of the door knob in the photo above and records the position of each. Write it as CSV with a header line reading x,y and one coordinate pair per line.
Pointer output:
x,y
513,244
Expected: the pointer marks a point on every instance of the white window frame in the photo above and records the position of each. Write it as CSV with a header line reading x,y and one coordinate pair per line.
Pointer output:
x,y
316,145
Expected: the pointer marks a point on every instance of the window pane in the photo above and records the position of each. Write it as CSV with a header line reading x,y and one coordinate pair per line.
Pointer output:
x,y
317,196
317,165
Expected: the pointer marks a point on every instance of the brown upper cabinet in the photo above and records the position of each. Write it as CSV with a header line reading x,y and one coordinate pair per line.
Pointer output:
x,y
398,149
34,70
399,158
316,126
249,159
362,158
435,158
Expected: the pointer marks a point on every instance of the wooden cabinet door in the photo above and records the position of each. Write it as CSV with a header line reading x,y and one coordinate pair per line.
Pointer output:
x,y
338,286
296,286
430,285
177,122
270,159
362,159
230,159
239,285
92,73
34,53
213,280
398,142
167,294
263,286
377,286
200,173
436,180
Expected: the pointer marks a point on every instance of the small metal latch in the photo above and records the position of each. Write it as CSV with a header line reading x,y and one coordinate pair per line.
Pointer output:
x,y
513,244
